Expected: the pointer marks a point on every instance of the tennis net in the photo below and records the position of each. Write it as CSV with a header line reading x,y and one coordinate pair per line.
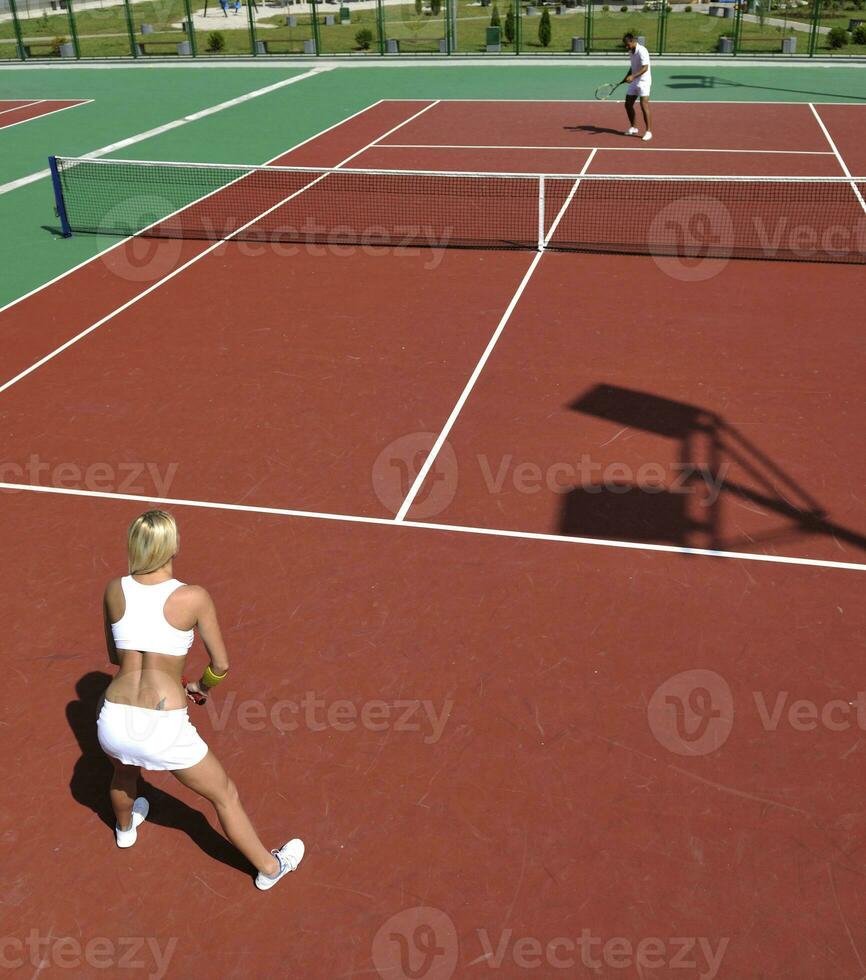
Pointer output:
x,y
791,218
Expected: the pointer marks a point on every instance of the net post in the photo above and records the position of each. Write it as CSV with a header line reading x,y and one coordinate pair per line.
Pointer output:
x,y
59,203
541,213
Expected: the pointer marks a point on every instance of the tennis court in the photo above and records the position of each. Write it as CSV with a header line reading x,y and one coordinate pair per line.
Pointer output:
x,y
15,111
586,530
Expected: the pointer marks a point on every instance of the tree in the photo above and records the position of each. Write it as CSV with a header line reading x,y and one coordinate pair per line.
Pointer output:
x,y
494,17
544,28
509,30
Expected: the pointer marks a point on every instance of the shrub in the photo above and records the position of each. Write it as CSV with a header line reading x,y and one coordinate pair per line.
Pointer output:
x,y
419,7
687,9
544,28
364,38
435,7
605,8
623,10
837,38
858,35
215,41
494,17
509,29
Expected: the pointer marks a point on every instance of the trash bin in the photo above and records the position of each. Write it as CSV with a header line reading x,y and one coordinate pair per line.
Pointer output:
x,y
260,47
309,46
789,45
147,29
578,45
292,20
726,45
443,46
183,48
67,50
392,46
345,15
494,45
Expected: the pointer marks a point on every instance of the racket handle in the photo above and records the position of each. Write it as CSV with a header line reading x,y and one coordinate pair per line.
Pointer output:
x,y
196,697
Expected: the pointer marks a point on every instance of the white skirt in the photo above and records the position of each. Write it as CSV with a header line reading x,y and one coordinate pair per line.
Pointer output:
x,y
146,737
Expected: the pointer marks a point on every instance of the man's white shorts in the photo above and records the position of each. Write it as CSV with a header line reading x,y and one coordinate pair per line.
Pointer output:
x,y
639,87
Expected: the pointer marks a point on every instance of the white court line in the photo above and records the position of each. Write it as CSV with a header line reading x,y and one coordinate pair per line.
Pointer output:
x,y
838,155
23,105
165,127
688,102
123,241
615,149
196,258
479,367
44,115
431,526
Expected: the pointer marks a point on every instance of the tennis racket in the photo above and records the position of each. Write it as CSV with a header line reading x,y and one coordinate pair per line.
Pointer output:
x,y
606,91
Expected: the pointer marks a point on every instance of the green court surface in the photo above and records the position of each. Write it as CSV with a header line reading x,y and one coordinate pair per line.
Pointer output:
x,y
128,101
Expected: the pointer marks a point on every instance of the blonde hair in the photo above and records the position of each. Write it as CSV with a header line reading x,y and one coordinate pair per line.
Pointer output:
x,y
153,540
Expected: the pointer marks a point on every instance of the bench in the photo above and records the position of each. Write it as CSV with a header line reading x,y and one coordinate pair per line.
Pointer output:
x,y
29,46
785,45
142,46
269,45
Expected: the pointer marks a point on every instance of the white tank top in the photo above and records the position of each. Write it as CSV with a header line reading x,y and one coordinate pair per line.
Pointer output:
x,y
143,625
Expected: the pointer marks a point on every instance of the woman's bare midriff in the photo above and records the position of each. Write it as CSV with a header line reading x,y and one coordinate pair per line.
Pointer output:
x,y
148,680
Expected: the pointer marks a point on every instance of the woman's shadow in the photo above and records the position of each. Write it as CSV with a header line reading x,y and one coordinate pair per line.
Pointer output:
x,y
91,779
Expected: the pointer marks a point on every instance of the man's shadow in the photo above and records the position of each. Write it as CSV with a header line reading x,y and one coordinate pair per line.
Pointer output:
x,y
91,779
594,130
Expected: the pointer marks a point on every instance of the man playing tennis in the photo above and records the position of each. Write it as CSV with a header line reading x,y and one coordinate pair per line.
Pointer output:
x,y
639,84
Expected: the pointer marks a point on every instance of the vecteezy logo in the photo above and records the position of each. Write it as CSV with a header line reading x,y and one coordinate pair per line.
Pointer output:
x,y
398,465
690,239
416,944
142,258
692,713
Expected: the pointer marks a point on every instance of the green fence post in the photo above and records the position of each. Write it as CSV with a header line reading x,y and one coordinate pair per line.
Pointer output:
x,y
191,31
314,23
738,30
663,26
816,23
19,37
130,28
73,30
588,26
252,23
380,26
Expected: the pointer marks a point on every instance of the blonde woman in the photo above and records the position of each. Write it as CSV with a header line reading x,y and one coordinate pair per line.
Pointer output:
x,y
150,621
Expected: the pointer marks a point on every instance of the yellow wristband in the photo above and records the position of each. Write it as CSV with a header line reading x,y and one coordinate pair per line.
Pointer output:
x,y
209,679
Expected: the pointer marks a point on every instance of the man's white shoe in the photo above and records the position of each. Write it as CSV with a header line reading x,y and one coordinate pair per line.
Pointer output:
x,y
647,136
631,131
140,809
289,856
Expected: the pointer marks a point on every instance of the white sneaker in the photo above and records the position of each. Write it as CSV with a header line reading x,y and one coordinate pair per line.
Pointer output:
x,y
631,131
647,136
289,856
126,838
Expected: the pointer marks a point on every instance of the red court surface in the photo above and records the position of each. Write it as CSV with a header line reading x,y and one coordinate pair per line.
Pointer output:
x,y
17,111
525,722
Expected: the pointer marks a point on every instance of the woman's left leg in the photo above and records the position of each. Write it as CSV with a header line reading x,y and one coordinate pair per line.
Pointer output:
x,y
124,787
